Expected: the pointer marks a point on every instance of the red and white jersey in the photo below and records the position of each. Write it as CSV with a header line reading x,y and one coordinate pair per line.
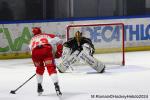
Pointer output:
x,y
43,39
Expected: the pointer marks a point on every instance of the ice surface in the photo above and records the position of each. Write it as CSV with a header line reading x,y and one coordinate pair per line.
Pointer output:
x,y
83,83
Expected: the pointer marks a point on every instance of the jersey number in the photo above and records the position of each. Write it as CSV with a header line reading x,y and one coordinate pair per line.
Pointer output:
x,y
40,42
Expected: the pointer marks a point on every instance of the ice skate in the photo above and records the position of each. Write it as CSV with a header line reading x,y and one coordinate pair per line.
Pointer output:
x,y
40,89
58,92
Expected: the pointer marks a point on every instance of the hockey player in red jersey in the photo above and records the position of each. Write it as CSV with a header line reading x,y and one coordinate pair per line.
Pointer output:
x,y
44,49
79,48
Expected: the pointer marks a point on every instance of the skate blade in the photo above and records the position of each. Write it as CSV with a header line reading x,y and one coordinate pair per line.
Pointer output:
x,y
58,93
39,93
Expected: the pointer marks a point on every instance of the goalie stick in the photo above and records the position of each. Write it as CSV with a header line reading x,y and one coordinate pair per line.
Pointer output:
x,y
14,91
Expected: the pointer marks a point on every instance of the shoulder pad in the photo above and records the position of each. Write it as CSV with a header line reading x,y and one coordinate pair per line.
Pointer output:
x,y
52,35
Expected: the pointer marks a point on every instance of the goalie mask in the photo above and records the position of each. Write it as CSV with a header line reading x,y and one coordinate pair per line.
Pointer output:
x,y
78,36
36,30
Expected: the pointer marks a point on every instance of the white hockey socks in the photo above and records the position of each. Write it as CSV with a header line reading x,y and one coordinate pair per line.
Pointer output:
x,y
39,78
54,78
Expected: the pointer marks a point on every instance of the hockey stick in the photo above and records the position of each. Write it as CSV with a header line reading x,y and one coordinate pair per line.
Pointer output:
x,y
14,91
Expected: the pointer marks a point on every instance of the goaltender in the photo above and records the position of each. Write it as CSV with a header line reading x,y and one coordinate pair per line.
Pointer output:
x,y
79,48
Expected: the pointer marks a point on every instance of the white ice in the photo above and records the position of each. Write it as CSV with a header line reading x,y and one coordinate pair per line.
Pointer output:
x,y
82,83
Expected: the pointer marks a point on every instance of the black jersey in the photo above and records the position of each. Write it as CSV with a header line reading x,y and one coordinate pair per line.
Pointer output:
x,y
73,45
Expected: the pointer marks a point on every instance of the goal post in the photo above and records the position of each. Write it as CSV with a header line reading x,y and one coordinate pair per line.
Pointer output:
x,y
108,40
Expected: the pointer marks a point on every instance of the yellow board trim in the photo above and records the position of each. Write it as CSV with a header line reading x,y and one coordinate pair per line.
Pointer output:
x,y
15,55
127,49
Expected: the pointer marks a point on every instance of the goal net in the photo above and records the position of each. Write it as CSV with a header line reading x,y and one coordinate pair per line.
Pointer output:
x,y
108,40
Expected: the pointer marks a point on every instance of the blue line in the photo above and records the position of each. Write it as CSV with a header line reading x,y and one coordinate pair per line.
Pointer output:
x,y
73,19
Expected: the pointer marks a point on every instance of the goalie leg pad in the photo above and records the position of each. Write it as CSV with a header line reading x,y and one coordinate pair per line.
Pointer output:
x,y
67,62
91,61
66,53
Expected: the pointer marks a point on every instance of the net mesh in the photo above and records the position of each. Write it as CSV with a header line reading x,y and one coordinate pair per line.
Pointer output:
x,y
108,40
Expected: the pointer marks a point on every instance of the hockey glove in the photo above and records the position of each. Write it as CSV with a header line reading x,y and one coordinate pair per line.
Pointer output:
x,y
59,51
87,48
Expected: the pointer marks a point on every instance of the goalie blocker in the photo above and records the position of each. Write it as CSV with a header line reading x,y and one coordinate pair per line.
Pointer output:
x,y
85,56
